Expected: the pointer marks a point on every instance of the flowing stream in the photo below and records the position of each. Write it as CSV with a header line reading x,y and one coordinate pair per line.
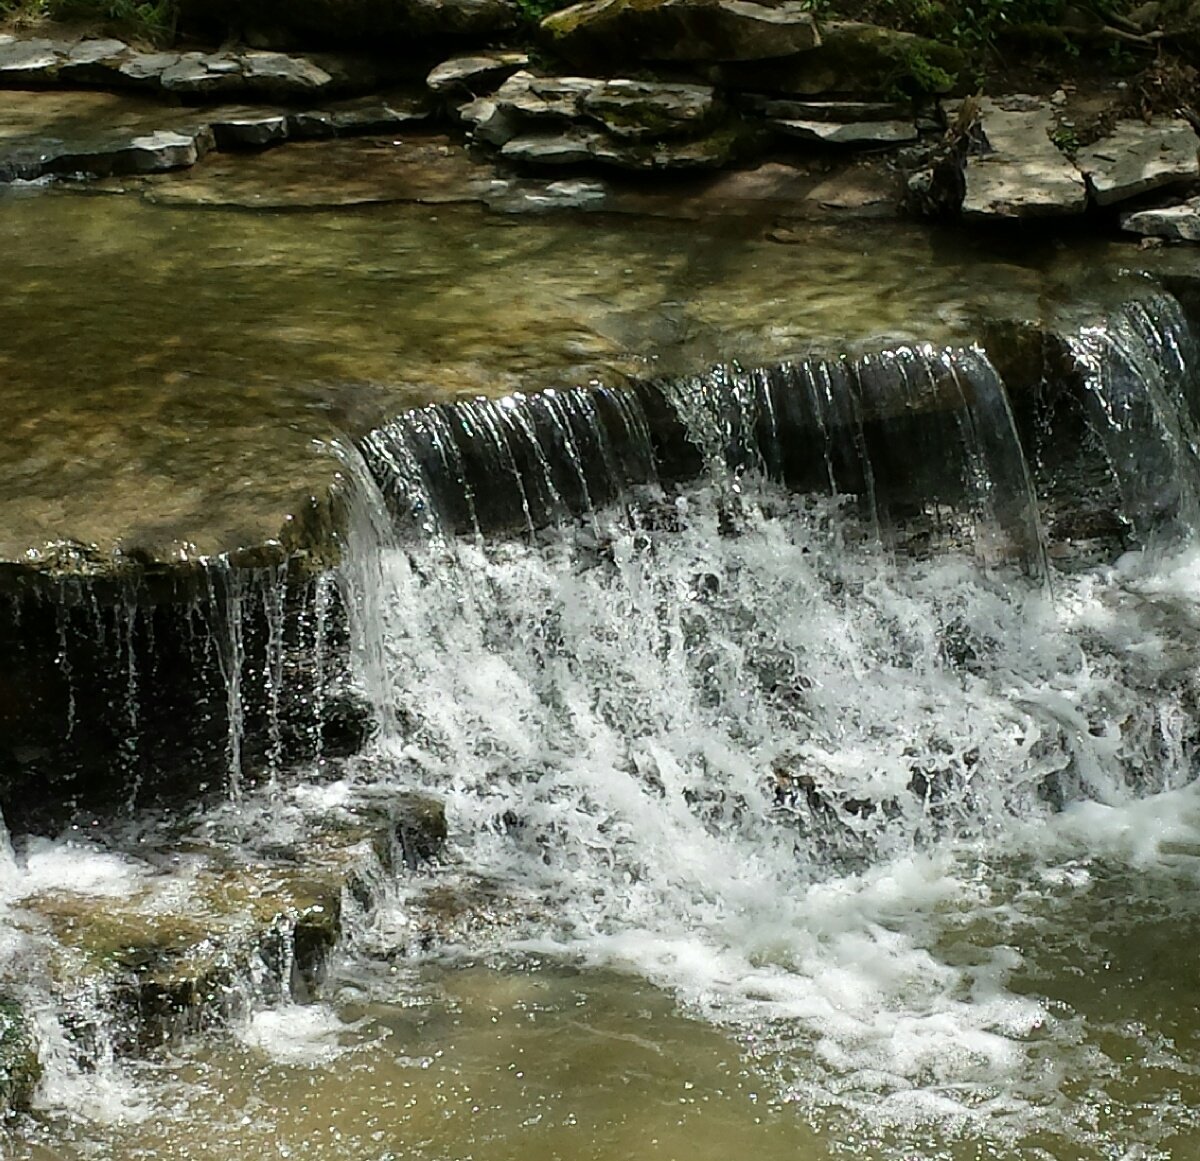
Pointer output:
x,y
856,820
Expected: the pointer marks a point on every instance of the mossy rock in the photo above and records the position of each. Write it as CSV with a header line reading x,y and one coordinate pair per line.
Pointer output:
x,y
19,1066
855,59
160,969
607,33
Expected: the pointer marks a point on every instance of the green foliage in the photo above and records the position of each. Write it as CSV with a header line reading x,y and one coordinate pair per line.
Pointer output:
x,y
1066,137
21,9
535,11
149,19
926,77
152,19
972,24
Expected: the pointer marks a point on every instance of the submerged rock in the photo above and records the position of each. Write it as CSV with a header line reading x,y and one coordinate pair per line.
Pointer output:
x,y
1020,173
612,31
382,114
1138,157
140,970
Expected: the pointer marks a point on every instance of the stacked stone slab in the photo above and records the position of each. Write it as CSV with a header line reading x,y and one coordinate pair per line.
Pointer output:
x,y
1015,170
621,122
246,73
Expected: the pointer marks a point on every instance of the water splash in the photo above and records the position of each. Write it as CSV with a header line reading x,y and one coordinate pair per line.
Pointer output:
x,y
722,733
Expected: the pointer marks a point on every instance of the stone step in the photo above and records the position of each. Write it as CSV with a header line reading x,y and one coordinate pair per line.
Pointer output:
x,y
1020,172
205,928
101,134
1137,157
36,62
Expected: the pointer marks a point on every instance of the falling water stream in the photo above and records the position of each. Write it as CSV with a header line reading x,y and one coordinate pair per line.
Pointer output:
x,y
806,797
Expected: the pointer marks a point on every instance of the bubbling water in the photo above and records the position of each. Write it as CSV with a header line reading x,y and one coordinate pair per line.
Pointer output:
x,y
724,736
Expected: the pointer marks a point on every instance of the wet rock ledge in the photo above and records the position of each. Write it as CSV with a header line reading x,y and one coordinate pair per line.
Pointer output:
x,y
233,637
208,925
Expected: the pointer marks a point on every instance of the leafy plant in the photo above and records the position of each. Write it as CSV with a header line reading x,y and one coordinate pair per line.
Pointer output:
x,y
149,19
1066,138
535,11
21,9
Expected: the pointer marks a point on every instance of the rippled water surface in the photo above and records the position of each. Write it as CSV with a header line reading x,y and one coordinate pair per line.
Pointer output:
x,y
166,370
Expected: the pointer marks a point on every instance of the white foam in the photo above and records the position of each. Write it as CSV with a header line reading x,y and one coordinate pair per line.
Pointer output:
x,y
308,1034
606,731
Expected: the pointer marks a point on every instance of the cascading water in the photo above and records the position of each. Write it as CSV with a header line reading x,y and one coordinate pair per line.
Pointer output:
x,y
757,686
719,732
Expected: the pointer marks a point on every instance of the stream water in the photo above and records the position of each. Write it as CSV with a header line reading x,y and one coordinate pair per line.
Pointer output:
x,y
857,822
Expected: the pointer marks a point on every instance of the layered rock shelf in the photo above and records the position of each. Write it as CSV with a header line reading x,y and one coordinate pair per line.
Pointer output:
x,y
801,88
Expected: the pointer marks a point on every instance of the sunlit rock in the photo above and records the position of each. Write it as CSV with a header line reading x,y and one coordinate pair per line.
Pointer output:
x,y
475,75
1176,223
1021,173
1138,157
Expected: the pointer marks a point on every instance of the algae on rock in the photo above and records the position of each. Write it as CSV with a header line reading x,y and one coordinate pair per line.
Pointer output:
x,y
19,1067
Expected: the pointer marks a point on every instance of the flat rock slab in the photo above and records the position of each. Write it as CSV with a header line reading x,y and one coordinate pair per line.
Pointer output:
x,y
1136,158
622,122
836,112
98,133
1175,223
477,74
106,63
854,133
681,30
1022,174
67,132
643,110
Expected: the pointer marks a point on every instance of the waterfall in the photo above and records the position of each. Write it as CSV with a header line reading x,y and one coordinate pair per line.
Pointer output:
x,y
722,679
781,687
1138,367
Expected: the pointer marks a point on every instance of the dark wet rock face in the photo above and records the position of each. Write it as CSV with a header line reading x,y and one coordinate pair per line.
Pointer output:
x,y
167,686
19,1068
365,23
